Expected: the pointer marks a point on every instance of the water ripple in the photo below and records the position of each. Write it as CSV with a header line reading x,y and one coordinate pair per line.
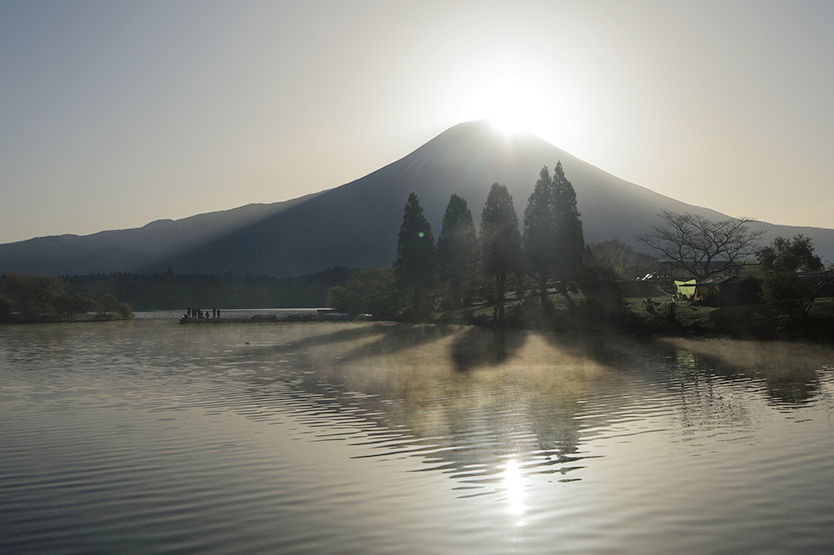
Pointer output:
x,y
152,438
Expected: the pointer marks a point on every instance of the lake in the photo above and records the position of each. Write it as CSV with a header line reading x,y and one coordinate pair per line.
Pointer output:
x,y
151,437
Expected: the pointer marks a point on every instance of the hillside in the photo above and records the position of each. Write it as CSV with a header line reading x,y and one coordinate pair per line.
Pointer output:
x,y
356,225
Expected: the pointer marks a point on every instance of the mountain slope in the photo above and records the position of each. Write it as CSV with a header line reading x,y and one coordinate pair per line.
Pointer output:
x,y
130,249
356,225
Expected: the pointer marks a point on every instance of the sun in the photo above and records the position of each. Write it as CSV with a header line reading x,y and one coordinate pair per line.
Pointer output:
x,y
504,92
518,95
511,103
512,119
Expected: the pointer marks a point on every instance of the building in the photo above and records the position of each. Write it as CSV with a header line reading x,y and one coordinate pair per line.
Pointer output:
x,y
725,291
670,269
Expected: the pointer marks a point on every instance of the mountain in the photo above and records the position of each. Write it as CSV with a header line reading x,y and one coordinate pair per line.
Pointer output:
x,y
356,225
131,249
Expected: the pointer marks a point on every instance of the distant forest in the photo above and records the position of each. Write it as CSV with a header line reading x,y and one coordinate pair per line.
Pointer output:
x,y
170,291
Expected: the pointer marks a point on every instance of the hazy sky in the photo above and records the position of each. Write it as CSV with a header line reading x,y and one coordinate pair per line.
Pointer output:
x,y
115,114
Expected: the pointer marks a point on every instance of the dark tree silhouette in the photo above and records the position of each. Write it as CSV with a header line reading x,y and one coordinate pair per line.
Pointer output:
x,y
5,308
794,276
617,258
540,233
67,305
33,294
553,238
107,303
370,290
415,262
790,256
570,240
694,242
613,263
457,246
501,241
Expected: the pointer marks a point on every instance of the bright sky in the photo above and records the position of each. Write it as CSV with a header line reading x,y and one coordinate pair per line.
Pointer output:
x,y
115,114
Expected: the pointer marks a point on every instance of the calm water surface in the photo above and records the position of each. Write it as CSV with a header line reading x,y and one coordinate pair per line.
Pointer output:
x,y
151,437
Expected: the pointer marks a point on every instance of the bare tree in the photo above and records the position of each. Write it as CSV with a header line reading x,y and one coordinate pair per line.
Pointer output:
x,y
613,263
619,258
697,243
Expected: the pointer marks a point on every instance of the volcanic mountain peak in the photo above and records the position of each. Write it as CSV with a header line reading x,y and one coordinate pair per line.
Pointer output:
x,y
356,224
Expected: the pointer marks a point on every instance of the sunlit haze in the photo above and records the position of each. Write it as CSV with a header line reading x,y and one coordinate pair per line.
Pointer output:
x,y
115,114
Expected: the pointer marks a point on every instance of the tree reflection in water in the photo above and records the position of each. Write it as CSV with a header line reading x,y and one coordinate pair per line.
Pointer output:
x,y
490,406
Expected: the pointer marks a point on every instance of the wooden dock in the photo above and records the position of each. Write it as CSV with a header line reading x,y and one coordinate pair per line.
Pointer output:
x,y
259,319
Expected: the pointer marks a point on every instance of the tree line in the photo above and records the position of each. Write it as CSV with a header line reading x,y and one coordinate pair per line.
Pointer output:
x,y
550,251
492,259
29,297
43,297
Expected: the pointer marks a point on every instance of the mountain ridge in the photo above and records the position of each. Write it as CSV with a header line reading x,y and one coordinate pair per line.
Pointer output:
x,y
356,224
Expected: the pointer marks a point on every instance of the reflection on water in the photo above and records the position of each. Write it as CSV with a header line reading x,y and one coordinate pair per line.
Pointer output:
x,y
513,484
425,382
149,436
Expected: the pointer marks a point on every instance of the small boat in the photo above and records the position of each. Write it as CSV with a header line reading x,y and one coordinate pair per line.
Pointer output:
x,y
332,314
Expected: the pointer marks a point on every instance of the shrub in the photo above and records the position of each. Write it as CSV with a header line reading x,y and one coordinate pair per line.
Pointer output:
x,y
123,310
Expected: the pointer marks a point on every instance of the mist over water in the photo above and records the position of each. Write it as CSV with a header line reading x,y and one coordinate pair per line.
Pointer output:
x,y
152,437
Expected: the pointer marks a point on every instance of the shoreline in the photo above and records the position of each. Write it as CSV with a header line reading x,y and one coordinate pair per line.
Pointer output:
x,y
757,322
586,315
75,320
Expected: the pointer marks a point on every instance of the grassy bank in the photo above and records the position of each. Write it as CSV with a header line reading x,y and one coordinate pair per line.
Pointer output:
x,y
76,318
598,313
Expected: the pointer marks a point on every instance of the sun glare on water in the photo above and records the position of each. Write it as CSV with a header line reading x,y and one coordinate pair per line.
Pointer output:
x,y
513,484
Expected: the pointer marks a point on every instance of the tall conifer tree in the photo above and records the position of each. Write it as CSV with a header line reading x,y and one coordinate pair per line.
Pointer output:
x,y
553,237
457,245
540,232
570,239
501,241
415,260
